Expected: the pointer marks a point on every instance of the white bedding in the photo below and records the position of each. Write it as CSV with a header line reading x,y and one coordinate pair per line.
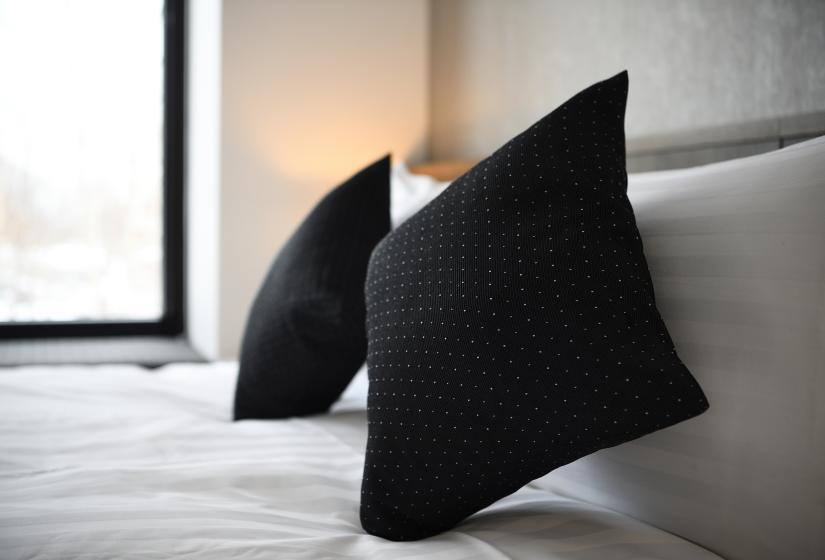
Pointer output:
x,y
122,462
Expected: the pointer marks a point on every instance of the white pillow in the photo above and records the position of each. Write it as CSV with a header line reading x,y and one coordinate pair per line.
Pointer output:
x,y
409,193
737,255
354,396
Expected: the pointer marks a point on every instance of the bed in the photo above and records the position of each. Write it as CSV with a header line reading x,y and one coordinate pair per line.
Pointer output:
x,y
124,462
119,461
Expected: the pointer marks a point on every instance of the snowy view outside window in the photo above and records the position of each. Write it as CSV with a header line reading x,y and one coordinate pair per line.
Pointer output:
x,y
81,145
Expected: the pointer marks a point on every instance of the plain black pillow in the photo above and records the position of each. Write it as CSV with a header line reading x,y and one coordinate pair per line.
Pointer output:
x,y
512,327
305,336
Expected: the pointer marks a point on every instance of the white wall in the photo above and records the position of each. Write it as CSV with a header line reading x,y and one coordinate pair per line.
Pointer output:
x,y
203,188
497,66
310,91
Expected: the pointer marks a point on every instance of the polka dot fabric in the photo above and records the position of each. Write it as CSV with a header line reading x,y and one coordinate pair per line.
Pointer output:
x,y
512,327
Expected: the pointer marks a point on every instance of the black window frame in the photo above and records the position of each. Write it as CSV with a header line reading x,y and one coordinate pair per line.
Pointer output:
x,y
171,322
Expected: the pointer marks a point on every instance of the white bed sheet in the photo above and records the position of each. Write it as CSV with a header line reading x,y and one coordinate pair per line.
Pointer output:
x,y
123,462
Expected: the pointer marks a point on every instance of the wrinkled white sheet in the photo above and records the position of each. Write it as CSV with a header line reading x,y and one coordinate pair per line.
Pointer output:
x,y
123,462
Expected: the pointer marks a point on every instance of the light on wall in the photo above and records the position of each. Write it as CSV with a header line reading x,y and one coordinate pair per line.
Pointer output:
x,y
327,150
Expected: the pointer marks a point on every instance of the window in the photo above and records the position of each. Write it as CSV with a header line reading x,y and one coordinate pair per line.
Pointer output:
x,y
91,149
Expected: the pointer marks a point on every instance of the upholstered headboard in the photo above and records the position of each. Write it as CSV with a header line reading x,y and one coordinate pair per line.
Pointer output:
x,y
736,250
709,145
687,149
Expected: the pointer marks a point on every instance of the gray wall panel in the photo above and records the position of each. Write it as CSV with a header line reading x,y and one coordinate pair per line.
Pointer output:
x,y
499,65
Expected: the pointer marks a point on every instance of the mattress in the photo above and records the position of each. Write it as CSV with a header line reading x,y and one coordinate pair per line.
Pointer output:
x,y
124,462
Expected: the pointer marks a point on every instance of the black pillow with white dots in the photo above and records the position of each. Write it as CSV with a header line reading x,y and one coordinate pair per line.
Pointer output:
x,y
512,327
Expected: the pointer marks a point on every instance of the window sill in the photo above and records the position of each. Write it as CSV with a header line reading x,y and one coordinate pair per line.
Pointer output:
x,y
148,351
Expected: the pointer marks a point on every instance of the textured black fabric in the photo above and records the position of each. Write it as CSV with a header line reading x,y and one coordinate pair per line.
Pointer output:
x,y
305,336
512,327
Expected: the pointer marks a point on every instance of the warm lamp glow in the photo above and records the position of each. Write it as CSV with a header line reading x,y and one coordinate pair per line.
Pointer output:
x,y
325,152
